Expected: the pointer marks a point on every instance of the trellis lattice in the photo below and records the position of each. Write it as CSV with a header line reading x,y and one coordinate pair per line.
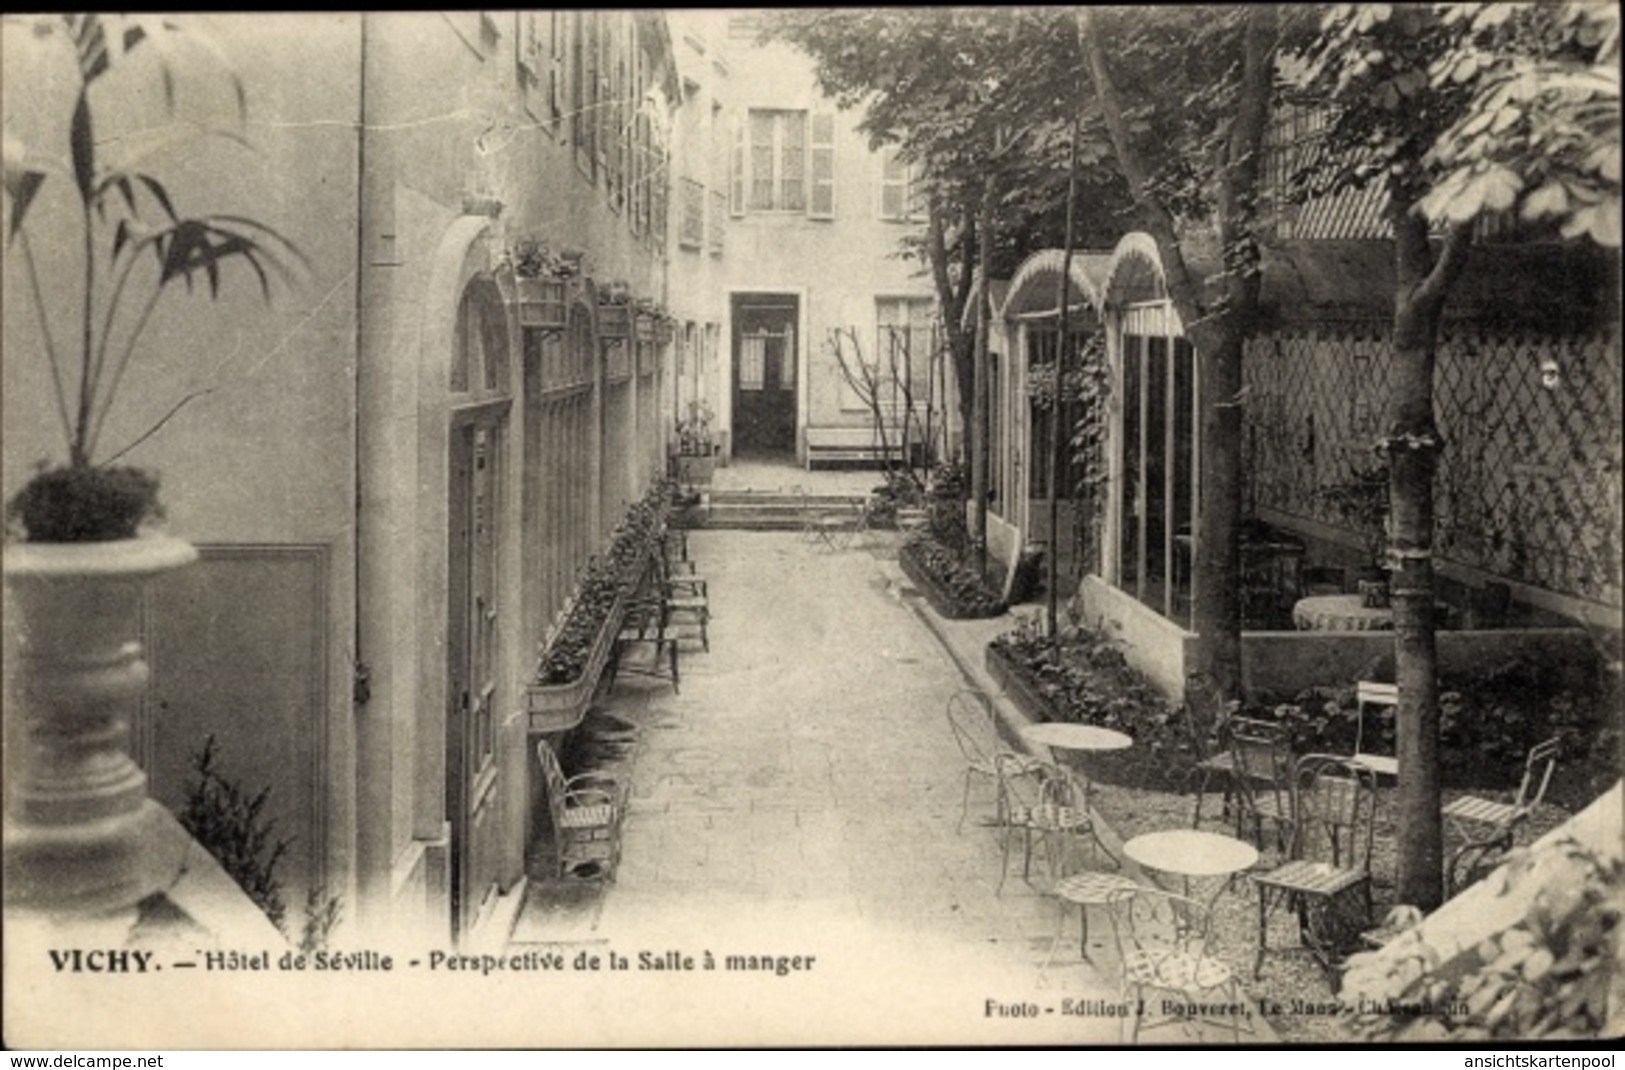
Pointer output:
x,y
1528,486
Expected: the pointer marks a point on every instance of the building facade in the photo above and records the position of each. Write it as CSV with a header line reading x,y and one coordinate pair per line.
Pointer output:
x,y
819,323
393,482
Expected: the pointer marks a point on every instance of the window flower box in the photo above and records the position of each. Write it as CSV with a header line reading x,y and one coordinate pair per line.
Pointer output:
x,y
543,302
614,323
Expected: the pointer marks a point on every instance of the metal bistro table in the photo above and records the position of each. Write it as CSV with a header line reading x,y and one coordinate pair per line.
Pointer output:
x,y
1191,853
1085,738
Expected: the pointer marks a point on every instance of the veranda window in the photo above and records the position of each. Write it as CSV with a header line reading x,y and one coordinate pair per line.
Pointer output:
x,y
1158,463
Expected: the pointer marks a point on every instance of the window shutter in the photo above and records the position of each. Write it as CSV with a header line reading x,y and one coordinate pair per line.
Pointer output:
x,y
893,187
736,202
821,167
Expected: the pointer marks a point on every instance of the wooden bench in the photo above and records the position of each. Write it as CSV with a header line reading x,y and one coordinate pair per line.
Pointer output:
x,y
849,444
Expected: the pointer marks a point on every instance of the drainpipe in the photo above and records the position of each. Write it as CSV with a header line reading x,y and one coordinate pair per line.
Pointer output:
x,y
375,693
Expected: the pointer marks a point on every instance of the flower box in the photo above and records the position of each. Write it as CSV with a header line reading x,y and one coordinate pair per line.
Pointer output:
x,y
942,598
614,323
691,469
560,707
542,302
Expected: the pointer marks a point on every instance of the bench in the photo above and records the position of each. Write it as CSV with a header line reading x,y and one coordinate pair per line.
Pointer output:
x,y
850,444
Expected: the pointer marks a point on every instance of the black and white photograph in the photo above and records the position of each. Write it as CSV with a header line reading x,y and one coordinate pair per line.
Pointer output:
x,y
973,527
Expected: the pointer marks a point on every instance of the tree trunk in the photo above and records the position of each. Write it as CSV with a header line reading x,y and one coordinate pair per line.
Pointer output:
x,y
1057,438
951,299
1412,458
1216,571
979,422
1412,450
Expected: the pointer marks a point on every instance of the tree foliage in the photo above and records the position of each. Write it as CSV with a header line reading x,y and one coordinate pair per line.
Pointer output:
x,y
1472,109
1542,125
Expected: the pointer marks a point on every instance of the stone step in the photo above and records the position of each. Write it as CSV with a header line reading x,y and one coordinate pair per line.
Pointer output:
x,y
749,510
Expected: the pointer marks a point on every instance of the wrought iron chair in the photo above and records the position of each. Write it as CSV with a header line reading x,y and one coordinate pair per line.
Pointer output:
x,y
1488,826
975,731
586,820
1328,880
1205,724
1165,943
833,526
1051,808
1369,697
1263,779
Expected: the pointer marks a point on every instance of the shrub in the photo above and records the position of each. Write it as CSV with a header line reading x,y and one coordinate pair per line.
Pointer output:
x,y
230,824
1546,977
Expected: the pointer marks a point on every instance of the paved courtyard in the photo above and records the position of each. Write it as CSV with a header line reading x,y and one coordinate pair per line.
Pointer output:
x,y
798,800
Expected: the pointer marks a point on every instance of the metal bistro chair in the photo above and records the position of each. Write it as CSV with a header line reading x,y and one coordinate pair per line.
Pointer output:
x,y
686,599
586,820
1369,697
1263,779
975,731
1205,723
1165,943
647,644
1328,880
837,525
1054,811
1487,826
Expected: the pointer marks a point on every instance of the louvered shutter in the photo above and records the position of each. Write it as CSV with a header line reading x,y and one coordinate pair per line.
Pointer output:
x,y
821,167
736,189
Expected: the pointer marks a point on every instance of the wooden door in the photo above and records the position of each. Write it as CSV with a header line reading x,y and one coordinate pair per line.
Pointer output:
x,y
764,380
471,639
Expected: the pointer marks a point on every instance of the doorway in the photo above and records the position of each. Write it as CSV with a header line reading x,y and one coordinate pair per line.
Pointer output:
x,y
764,376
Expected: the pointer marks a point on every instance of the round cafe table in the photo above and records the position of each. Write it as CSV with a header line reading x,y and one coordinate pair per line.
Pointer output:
x,y
1191,853
1340,613
1063,735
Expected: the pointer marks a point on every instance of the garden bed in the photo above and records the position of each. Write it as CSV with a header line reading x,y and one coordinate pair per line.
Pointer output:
x,y
1072,690
953,589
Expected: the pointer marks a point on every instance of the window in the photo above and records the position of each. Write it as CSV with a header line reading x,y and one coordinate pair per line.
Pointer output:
x,y
896,369
583,87
778,146
784,161
691,217
901,199
479,363
906,342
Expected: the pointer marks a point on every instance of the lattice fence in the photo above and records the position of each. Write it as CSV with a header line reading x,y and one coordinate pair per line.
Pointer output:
x,y
1529,479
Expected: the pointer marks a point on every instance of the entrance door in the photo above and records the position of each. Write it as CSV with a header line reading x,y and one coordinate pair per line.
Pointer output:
x,y
764,379
471,769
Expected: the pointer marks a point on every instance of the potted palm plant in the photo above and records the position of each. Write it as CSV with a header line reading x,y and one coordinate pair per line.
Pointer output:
x,y
79,542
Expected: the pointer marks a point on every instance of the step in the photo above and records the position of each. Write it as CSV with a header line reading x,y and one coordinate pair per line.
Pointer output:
x,y
767,510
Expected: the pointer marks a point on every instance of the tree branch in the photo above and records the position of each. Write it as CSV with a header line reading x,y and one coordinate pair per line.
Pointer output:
x,y
1452,261
1158,219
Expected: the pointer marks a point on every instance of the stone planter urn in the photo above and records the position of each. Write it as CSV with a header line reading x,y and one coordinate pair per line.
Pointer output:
x,y
79,825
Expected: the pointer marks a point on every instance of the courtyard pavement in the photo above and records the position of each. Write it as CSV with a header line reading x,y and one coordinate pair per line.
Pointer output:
x,y
795,808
